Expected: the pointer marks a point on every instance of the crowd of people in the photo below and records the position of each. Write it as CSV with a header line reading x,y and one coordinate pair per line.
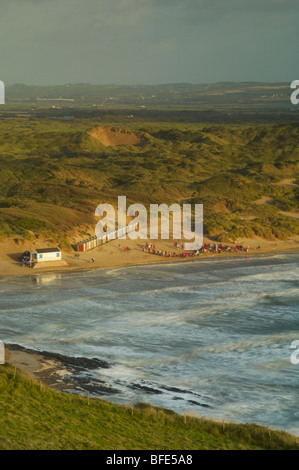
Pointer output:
x,y
212,248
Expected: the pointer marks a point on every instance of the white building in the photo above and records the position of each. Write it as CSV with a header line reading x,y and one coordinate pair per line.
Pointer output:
x,y
45,254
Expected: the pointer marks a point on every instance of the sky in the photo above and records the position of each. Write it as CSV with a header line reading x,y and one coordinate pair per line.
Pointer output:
x,y
134,42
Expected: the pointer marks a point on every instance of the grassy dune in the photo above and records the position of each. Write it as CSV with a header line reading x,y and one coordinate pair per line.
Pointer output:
x,y
52,178
33,416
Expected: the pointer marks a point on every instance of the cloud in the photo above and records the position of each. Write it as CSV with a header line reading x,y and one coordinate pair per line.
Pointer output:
x,y
112,13
132,13
192,5
144,40
184,3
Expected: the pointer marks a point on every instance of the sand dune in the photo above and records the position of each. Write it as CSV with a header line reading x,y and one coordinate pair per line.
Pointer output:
x,y
111,137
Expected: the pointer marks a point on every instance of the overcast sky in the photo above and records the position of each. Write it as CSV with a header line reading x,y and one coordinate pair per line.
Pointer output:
x,y
148,41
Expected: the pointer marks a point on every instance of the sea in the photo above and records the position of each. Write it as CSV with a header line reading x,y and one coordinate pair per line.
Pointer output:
x,y
210,338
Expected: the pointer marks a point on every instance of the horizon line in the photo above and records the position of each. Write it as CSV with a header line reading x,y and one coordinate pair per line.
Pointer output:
x,y
150,85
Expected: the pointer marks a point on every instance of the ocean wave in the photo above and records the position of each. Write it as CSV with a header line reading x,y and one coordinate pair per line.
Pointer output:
x,y
220,329
267,343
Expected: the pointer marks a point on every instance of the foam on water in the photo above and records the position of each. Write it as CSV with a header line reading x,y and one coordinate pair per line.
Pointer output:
x,y
211,337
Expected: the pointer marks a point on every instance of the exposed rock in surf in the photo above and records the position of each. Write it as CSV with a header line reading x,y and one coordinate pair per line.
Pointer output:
x,y
79,363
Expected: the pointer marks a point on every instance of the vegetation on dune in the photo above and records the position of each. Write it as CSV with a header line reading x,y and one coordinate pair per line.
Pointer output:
x,y
36,417
52,180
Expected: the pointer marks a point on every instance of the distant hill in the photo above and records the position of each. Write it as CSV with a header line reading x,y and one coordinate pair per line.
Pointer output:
x,y
178,94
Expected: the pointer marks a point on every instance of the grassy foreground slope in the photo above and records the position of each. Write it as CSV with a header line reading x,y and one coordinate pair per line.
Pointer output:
x,y
53,177
33,416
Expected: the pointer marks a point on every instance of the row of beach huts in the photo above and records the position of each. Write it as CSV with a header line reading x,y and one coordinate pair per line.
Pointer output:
x,y
106,237
41,255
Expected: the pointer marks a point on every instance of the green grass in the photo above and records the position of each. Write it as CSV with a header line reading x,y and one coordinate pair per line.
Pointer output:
x,y
53,175
32,416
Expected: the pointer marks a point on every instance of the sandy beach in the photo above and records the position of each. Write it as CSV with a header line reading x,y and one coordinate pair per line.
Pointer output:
x,y
122,253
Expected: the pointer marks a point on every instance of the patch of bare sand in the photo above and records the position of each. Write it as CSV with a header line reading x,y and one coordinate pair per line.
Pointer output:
x,y
270,200
49,264
265,200
294,214
111,137
287,182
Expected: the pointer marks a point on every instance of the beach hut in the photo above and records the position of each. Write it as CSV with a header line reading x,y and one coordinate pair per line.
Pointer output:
x,y
80,246
41,255
95,241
